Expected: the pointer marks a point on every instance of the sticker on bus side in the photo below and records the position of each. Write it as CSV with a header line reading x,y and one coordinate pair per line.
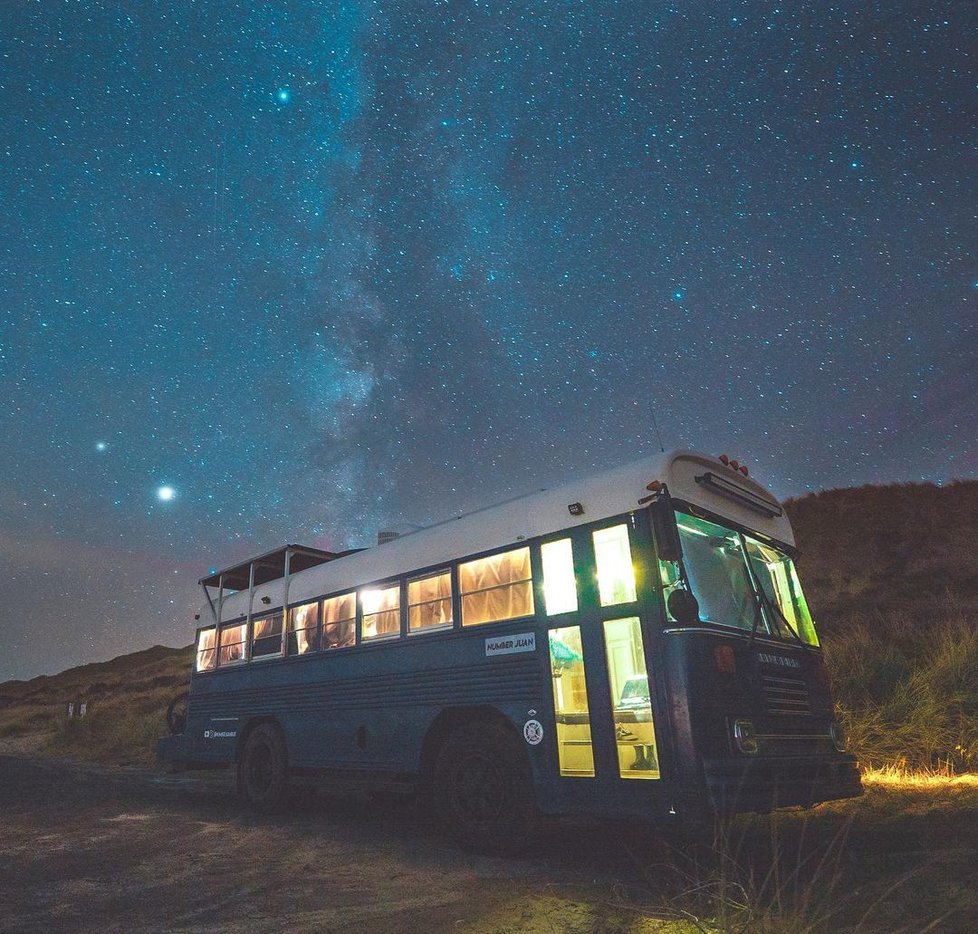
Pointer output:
x,y
507,645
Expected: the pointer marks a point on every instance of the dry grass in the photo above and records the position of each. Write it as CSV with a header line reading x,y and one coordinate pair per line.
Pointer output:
x,y
126,700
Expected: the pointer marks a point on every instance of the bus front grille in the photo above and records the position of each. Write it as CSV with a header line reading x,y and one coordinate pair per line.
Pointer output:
x,y
786,696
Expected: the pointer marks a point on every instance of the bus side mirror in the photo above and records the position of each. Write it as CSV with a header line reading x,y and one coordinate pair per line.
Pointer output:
x,y
684,607
666,531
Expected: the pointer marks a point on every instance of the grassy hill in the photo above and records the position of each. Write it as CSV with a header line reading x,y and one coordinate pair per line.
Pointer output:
x,y
906,549
126,698
891,573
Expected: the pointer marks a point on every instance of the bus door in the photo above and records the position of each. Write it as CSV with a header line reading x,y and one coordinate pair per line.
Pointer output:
x,y
603,704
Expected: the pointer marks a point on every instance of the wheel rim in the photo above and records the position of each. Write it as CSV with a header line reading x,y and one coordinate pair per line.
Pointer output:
x,y
479,790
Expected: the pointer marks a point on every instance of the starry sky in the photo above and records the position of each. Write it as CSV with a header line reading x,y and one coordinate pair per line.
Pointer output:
x,y
298,271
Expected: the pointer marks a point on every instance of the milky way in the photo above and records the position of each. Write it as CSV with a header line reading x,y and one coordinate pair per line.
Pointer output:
x,y
296,272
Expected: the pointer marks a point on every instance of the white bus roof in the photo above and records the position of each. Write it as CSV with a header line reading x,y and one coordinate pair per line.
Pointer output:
x,y
690,476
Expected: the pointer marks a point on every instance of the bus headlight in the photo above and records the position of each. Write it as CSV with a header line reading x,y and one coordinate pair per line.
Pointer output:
x,y
745,737
838,736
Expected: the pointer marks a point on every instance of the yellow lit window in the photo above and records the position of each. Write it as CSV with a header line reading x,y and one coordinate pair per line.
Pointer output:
x,y
266,639
206,649
303,628
616,576
340,621
232,643
559,586
381,612
430,602
496,588
573,719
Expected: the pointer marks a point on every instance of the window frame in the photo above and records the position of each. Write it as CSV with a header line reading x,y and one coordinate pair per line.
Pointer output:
x,y
234,662
451,571
389,583
347,592
532,547
266,656
627,519
289,631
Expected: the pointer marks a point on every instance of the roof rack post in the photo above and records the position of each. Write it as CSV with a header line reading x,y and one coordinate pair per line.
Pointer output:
x,y
217,621
285,598
246,654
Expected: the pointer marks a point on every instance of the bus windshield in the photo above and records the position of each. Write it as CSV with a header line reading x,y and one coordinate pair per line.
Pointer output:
x,y
725,569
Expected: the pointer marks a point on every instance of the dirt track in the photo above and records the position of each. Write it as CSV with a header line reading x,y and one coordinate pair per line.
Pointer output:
x,y
84,848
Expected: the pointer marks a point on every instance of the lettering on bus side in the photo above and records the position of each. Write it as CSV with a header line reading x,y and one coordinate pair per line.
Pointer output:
x,y
507,645
779,660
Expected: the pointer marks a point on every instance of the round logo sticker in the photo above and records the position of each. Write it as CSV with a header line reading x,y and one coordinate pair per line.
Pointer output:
x,y
533,732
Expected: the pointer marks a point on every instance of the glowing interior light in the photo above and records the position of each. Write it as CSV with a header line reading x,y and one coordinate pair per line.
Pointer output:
x,y
372,600
559,585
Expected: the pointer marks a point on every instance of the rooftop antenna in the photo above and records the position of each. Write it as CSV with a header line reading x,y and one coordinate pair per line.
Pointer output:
x,y
655,425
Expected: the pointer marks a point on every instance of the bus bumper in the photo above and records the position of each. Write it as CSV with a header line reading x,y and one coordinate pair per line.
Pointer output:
x,y
763,784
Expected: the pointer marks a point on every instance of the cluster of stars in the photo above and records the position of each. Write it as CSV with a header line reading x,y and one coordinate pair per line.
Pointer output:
x,y
275,277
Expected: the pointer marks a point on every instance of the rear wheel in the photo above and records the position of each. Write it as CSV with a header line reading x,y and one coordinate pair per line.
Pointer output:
x,y
263,774
483,789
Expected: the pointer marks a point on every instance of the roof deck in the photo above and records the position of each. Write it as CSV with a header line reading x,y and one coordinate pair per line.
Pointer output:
x,y
271,566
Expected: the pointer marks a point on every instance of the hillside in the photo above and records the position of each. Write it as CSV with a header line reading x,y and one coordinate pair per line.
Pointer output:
x,y
891,573
126,699
900,549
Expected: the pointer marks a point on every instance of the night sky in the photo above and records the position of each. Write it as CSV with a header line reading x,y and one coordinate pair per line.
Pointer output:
x,y
300,271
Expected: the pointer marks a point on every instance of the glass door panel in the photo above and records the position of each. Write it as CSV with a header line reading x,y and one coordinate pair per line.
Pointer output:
x,y
630,699
574,749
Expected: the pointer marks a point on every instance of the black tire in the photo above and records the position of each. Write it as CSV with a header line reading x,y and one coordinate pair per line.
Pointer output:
x,y
482,789
263,770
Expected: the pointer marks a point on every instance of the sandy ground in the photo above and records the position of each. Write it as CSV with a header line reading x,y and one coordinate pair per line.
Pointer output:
x,y
86,848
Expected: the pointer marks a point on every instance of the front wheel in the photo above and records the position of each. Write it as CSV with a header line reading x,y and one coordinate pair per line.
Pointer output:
x,y
263,774
483,789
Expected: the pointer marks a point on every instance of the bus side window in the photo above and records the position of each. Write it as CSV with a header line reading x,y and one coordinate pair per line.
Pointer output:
x,y
232,646
303,628
266,640
340,621
574,751
381,608
206,649
430,601
496,588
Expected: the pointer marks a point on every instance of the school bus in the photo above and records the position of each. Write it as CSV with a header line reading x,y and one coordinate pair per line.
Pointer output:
x,y
632,645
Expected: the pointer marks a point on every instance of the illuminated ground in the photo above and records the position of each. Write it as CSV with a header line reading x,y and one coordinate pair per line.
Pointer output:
x,y
99,849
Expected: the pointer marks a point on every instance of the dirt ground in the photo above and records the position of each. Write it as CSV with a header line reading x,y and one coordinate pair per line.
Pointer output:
x,y
86,848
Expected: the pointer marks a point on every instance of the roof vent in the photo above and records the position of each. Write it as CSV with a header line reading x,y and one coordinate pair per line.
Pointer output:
x,y
387,535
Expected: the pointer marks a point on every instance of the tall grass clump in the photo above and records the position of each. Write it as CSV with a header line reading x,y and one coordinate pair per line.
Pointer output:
x,y
907,689
765,877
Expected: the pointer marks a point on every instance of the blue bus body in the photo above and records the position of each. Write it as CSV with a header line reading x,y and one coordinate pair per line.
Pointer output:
x,y
731,719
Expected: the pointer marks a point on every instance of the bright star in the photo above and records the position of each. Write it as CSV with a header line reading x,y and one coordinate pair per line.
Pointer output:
x,y
101,447
165,493
283,95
